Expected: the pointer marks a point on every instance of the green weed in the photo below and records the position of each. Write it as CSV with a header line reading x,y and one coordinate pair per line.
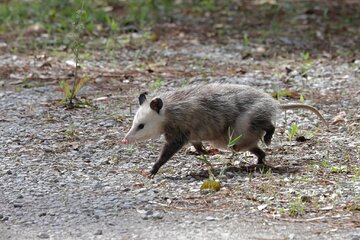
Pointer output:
x,y
297,207
154,86
356,173
292,131
205,160
71,131
302,99
76,46
130,149
233,140
53,17
204,6
306,65
246,40
144,12
324,163
305,56
339,169
111,41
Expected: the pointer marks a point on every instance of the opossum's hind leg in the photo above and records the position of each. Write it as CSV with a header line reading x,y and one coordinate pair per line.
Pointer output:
x,y
269,132
265,125
199,147
260,154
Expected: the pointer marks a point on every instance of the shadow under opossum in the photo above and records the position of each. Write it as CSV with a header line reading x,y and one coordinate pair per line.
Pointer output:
x,y
260,168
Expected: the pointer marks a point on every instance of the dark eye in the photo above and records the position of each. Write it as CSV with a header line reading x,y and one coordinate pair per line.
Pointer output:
x,y
141,126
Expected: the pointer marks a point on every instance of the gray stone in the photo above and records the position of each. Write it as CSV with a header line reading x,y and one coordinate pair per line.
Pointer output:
x,y
43,235
210,218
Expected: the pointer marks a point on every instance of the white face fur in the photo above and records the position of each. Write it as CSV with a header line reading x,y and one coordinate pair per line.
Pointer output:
x,y
147,124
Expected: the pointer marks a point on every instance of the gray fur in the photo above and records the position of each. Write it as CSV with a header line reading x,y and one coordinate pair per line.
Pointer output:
x,y
207,112
215,113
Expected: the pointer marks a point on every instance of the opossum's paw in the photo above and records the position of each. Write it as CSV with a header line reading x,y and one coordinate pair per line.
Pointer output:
x,y
260,161
192,151
269,134
199,148
147,174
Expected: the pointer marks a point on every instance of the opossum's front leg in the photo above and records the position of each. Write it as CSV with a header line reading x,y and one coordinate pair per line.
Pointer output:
x,y
170,148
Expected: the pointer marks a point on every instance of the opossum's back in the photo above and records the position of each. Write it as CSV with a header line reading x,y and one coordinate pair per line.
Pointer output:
x,y
228,93
208,111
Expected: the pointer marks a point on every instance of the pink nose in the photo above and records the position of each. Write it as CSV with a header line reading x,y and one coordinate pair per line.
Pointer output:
x,y
124,141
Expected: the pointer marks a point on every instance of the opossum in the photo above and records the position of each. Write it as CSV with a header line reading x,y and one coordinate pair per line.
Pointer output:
x,y
215,113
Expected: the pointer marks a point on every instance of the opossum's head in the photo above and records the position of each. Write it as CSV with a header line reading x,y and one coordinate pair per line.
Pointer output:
x,y
148,121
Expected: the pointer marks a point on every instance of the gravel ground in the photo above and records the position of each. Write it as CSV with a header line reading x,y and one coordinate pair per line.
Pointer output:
x,y
65,175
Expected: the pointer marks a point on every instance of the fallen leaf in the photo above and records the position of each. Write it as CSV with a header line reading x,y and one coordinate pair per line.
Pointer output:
x,y
45,65
327,208
210,185
340,118
70,62
262,207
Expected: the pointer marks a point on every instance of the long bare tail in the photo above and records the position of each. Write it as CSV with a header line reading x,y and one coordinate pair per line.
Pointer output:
x,y
304,106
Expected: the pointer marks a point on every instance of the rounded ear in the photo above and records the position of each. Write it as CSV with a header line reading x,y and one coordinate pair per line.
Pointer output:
x,y
142,97
156,104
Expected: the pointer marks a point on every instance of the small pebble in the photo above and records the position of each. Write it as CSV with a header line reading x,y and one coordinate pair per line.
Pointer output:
x,y
43,235
210,218
18,205
355,236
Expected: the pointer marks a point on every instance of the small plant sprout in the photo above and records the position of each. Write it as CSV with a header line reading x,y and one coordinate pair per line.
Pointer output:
x,y
305,56
232,140
76,46
225,165
339,169
268,173
246,40
156,85
297,207
205,160
302,99
324,163
70,93
356,173
306,65
111,41
71,131
292,131
130,149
